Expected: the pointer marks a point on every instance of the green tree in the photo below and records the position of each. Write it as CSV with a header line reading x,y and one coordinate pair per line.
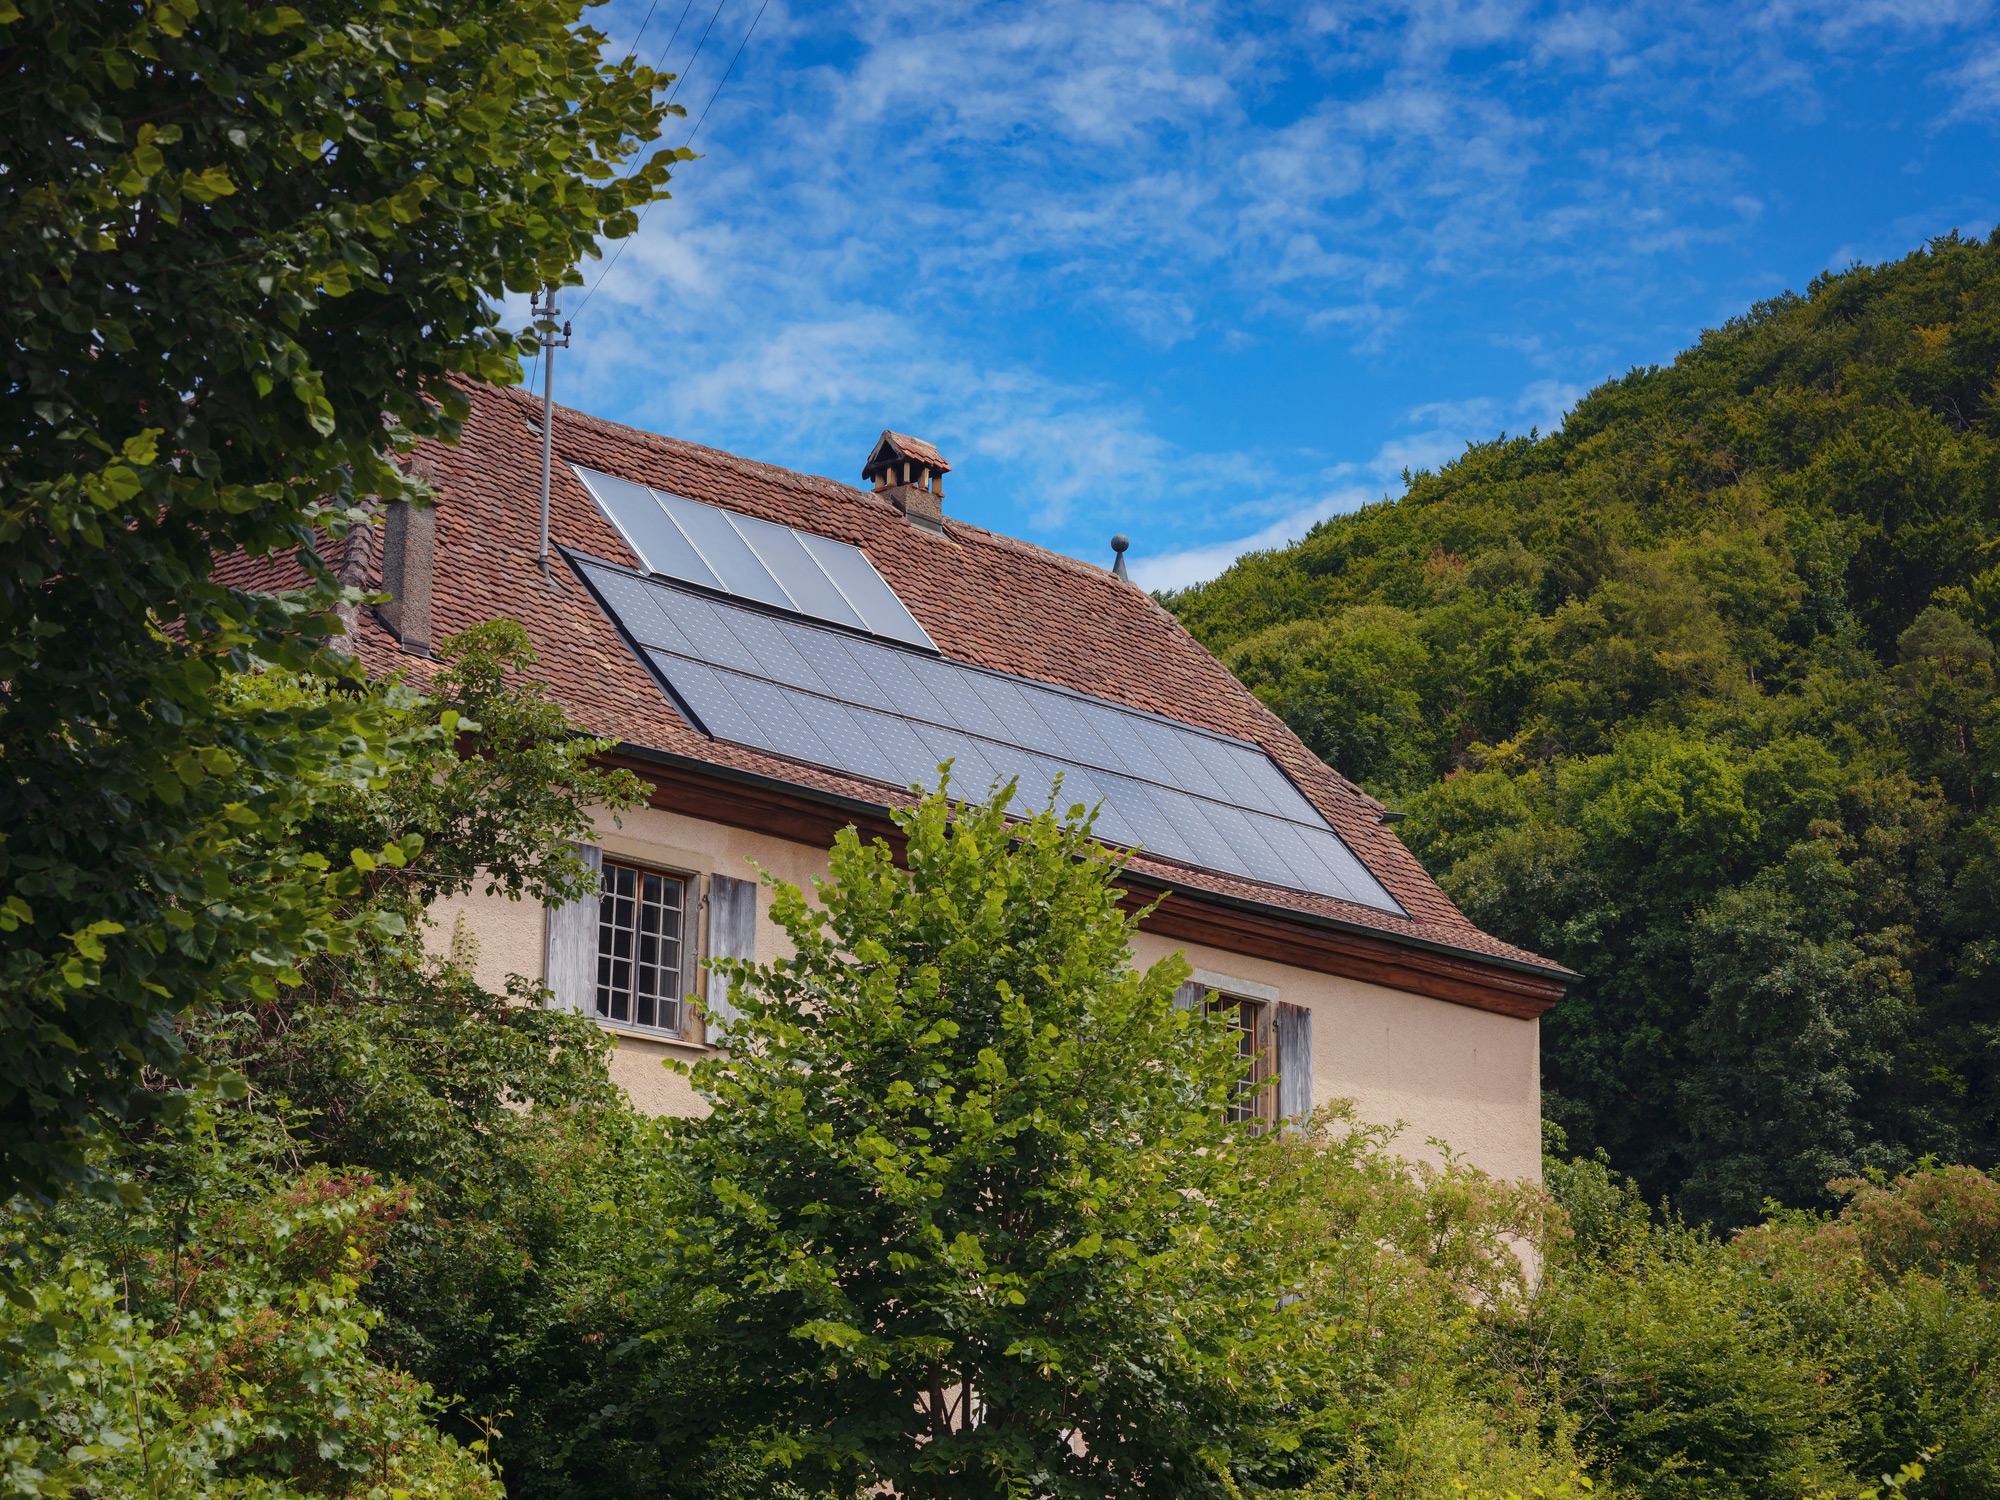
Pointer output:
x,y
511,1281
1351,687
1622,674
212,1339
968,1216
244,251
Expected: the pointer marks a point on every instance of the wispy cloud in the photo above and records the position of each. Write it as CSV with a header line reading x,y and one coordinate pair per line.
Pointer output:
x,y
1057,236
1441,432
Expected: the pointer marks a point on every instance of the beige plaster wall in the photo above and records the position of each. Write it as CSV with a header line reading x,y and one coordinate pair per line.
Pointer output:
x,y
509,934
1467,1077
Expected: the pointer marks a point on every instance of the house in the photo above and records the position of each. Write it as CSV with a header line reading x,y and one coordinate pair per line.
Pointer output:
x,y
779,655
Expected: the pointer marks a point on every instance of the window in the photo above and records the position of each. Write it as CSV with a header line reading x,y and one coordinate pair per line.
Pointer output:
x,y
1248,1021
641,928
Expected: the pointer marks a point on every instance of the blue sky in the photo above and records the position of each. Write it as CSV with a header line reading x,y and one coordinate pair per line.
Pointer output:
x,y
1206,273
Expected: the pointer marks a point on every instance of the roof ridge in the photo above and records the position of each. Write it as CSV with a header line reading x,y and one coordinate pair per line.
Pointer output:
x,y
720,457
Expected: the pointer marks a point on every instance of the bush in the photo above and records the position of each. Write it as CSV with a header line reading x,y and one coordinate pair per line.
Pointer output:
x,y
217,1344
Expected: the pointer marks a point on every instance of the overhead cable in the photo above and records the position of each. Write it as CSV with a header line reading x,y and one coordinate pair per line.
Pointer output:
x,y
726,72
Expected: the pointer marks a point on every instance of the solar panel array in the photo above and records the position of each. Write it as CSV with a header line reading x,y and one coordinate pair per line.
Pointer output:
x,y
737,554
891,714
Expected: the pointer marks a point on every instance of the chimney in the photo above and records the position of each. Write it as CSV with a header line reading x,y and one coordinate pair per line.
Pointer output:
x,y
409,548
909,473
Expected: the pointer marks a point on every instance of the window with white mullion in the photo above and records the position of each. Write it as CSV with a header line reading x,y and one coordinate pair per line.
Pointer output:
x,y
1247,1024
640,942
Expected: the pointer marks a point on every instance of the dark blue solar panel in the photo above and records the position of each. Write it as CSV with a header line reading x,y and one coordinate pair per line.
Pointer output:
x,y
1187,772
1107,794
637,608
1359,880
1188,815
973,769
1289,801
1111,826
1115,730
854,749
776,657
892,715
704,690
951,685
1078,740
837,668
784,728
898,741
1154,830
1239,789
1239,831
700,622
1013,704
1288,844
892,673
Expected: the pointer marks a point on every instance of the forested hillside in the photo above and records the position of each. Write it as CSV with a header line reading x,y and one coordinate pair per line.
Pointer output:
x,y
1696,696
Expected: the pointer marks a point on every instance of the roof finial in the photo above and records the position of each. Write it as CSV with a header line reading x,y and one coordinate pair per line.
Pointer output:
x,y
1118,545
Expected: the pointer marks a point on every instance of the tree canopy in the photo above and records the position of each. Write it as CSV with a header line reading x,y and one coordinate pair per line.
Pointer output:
x,y
244,249
969,1215
1696,696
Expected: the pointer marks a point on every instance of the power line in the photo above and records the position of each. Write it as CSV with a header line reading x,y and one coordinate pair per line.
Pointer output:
x,y
640,35
697,51
726,72
679,79
675,37
725,75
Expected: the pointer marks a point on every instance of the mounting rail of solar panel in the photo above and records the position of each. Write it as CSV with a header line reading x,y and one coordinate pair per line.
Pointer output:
x,y
883,710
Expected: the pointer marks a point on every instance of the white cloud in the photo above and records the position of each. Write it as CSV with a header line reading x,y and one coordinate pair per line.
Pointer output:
x,y
866,239
1176,570
1976,82
1448,427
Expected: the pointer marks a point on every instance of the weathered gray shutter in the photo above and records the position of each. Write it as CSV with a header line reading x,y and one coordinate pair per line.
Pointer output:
x,y
569,950
1295,1061
1189,996
732,933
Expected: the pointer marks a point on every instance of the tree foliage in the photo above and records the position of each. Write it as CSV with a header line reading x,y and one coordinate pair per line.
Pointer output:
x,y
968,1216
1697,697
215,1340
497,1192
243,250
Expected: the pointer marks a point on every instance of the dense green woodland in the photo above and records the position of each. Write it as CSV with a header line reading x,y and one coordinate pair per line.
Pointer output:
x,y
1696,696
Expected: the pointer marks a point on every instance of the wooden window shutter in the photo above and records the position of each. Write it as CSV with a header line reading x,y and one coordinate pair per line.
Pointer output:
x,y
1190,995
1294,1025
732,933
569,949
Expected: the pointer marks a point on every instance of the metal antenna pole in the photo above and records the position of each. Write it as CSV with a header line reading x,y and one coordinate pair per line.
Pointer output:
x,y
550,343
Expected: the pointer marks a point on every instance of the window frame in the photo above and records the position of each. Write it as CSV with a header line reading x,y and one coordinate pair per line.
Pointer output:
x,y
691,897
1256,1098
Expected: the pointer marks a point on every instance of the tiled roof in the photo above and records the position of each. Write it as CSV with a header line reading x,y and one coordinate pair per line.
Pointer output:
x,y
983,598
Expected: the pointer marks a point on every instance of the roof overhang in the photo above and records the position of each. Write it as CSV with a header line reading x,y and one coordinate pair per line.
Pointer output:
x,y
1308,940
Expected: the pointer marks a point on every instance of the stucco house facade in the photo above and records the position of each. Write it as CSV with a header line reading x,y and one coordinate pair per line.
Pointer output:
x,y
778,655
